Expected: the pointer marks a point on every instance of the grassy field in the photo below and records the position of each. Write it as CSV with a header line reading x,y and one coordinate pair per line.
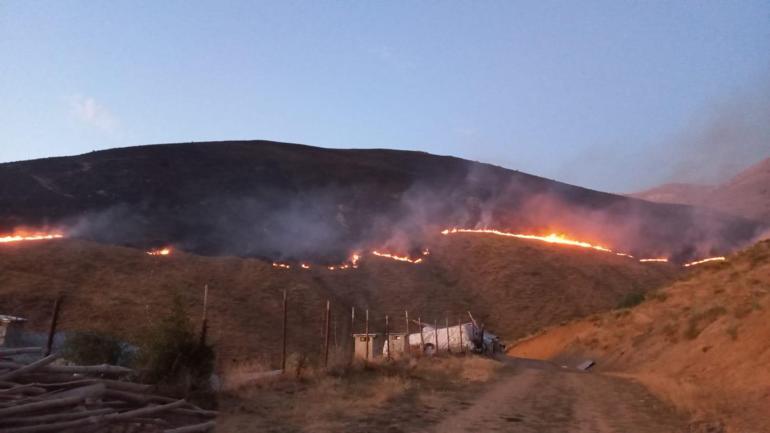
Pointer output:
x,y
514,286
390,397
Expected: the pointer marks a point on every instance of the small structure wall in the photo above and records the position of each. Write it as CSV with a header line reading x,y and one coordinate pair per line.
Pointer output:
x,y
10,330
374,341
397,344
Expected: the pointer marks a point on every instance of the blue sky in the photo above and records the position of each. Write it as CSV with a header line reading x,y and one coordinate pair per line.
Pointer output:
x,y
610,95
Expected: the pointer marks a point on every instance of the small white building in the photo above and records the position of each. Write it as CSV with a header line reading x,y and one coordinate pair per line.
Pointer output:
x,y
10,329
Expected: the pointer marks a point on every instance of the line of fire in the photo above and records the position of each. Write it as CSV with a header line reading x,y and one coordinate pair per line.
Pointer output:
x,y
560,239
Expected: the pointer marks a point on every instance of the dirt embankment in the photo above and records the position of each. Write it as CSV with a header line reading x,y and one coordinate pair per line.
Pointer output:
x,y
513,286
701,343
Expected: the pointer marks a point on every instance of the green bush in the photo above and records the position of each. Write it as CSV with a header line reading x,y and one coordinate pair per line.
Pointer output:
x,y
631,300
171,353
87,348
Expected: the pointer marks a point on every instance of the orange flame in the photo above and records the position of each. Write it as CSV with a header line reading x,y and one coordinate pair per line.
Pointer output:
x,y
304,266
23,236
553,238
710,259
160,252
399,258
281,265
662,260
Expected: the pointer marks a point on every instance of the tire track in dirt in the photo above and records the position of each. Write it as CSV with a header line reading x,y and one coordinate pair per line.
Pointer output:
x,y
545,400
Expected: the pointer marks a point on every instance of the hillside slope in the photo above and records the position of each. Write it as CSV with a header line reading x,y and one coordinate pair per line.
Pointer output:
x,y
286,201
702,343
747,194
514,286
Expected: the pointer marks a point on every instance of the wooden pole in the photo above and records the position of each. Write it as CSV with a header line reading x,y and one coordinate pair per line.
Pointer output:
x,y
460,328
482,338
422,338
283,335
446,324
408,344
326,334
334,326
387,336
205,320
435,334
366,332
52,327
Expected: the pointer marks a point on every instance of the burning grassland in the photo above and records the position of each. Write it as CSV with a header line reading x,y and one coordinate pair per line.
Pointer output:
x,y
24,235
166,251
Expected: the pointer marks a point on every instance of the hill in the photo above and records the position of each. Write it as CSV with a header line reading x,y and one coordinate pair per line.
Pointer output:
x,y
286,201
514,286
701,343
747,194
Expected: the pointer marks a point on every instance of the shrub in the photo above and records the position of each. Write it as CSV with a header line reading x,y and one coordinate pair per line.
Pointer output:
x,y
94,348
170,352
631,300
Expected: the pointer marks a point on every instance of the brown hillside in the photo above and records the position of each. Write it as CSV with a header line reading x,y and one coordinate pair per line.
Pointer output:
x,y
702,343
747,194
514,286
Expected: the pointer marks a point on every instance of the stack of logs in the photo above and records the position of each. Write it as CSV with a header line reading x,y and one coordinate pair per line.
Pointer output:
x,y
42,397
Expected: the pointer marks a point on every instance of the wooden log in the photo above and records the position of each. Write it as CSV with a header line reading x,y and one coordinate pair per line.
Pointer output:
x,y
46,405
196,412
56,417
57,426
89,369
30,389
19,351
146,411
195,428
40,363
89,391
110,383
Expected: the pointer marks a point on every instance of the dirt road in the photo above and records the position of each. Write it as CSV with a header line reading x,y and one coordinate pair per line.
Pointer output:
x,y
538,397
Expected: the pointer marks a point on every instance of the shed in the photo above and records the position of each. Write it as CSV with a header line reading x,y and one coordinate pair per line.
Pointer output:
x,y
10,329
397,344
367,346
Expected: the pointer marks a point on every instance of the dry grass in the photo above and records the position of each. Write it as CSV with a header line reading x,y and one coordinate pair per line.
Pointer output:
x,y
703,347
514,286
378,397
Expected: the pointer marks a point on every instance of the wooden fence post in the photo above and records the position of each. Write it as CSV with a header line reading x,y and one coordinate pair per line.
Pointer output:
x,y
283,334
408,344
446,324
326,334
52,327
460,327
422,337
435,334
366,332
387,336
205,320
